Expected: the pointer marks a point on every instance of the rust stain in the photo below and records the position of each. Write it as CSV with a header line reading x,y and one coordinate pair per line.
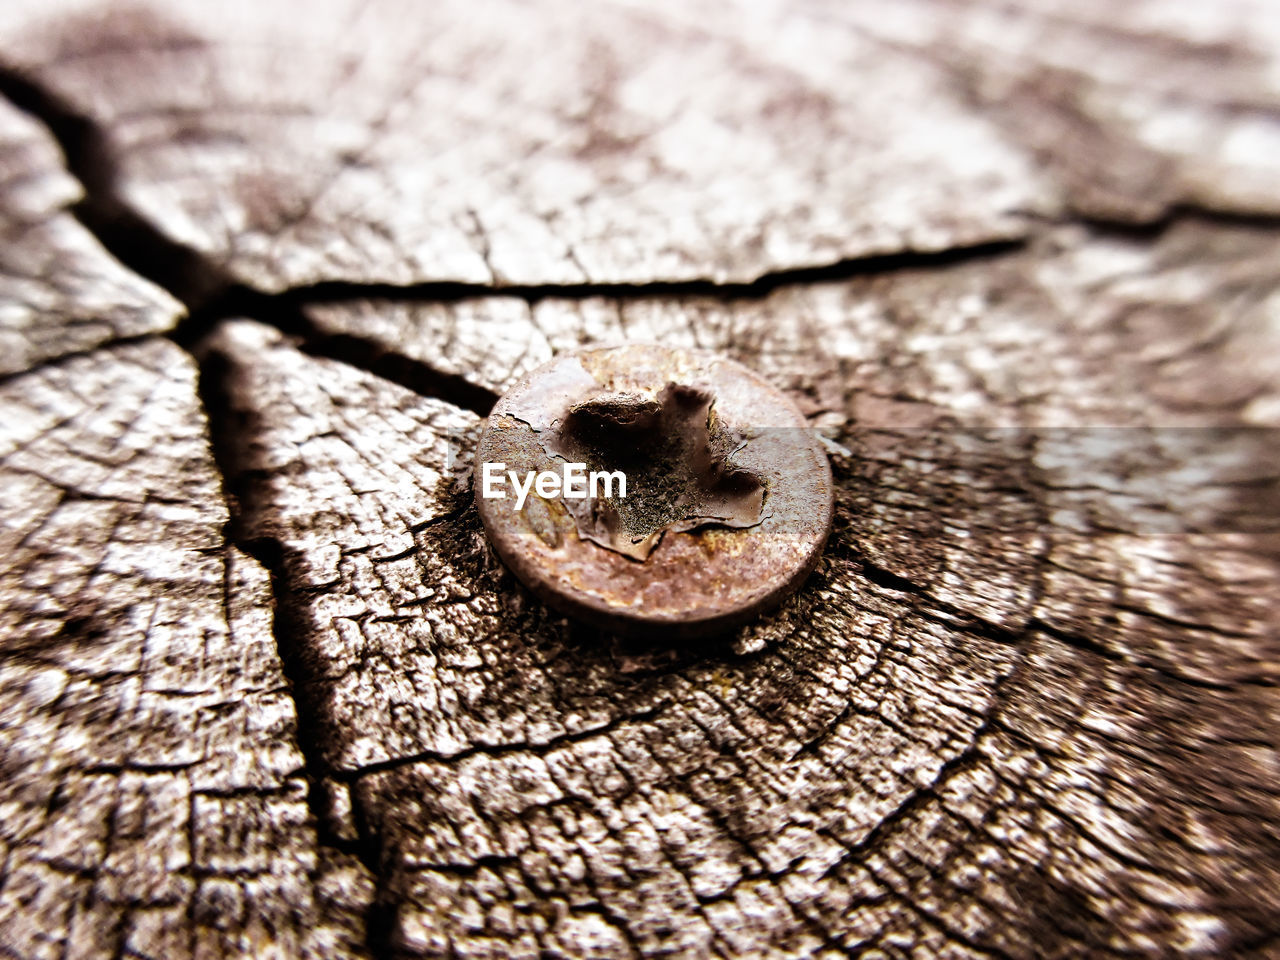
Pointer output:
x,y
732,502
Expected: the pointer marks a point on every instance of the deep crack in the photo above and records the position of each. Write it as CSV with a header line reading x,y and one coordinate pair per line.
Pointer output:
x,y
289,634
127,236
334,291
421,378
211,295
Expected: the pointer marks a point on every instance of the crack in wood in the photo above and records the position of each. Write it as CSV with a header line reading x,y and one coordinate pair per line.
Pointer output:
x,y
287,631
909,607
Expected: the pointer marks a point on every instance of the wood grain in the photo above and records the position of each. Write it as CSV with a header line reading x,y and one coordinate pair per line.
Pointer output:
x,y
63,292
154,795
265,689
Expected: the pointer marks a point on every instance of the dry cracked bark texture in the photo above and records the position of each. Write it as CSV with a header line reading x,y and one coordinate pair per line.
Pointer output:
x,y
266,691
154,796
62,291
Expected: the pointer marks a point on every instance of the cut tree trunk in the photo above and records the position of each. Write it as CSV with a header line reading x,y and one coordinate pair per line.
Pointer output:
x,y
265,690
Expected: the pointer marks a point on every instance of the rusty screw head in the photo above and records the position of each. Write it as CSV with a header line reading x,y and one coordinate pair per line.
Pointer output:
x,y
729,495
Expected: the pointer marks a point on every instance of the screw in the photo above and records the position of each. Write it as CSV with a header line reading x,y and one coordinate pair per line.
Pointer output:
x,y
728,494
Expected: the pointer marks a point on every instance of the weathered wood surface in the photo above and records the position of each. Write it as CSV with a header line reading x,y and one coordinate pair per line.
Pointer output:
x,y
62,291
154,795
266,692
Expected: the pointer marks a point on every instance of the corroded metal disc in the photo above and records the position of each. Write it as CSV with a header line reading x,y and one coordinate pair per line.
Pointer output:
x,y
729,498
